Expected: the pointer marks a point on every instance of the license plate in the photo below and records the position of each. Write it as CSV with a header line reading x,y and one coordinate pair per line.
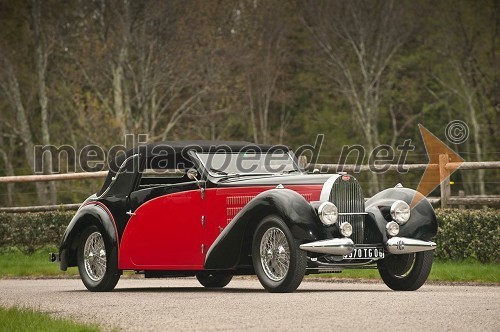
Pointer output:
x,y
366,253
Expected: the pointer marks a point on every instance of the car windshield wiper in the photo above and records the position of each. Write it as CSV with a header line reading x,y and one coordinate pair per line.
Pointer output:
x,y
221,172
237,175
291,171
218,171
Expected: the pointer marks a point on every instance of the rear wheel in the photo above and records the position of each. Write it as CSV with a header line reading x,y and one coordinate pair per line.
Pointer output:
x,y
211,280
95,261
278,262
406,272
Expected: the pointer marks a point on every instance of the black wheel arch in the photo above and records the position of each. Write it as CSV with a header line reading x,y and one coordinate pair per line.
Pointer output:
x,y
234,245
91,214
422,224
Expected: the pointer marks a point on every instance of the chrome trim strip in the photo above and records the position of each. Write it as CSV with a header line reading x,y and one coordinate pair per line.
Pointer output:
x,y
351,213
327,187
403,245
338,247
113,179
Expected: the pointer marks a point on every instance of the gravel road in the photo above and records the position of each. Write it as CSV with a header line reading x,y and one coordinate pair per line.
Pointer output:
x,y
175,304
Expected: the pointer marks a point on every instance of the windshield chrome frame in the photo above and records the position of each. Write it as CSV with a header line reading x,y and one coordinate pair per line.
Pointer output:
x,y
207,169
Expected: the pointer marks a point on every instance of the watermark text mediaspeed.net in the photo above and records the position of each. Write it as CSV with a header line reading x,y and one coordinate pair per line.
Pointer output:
x,y
93,158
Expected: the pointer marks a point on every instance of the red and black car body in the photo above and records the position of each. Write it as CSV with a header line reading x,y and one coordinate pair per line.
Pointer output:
x,y
166,210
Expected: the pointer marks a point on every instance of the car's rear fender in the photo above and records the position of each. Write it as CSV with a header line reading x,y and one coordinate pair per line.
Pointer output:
x,y
422,224
234,243
93,213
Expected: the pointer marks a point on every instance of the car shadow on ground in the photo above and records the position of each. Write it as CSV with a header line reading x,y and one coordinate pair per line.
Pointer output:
x,y
228,290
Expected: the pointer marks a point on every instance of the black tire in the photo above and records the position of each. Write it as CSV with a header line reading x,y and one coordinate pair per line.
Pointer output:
x,y
212,280
406,272
272,272
97,279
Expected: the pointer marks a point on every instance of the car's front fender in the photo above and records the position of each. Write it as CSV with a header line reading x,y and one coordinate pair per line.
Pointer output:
x,y
296,212
93,213
422,224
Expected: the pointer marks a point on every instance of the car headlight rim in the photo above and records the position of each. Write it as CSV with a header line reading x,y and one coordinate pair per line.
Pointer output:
x,y
328,213
392,228
346,229
400,212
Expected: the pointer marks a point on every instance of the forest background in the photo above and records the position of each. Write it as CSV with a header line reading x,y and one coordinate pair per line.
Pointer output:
x,y
360,72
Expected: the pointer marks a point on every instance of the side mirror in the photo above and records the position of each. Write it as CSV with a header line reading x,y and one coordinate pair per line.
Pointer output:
x,y
192,174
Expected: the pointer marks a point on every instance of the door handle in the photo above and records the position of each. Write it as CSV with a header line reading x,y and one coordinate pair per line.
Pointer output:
x,y
130,213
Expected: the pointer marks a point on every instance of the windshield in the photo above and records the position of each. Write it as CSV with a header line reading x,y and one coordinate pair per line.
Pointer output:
x,y
248,163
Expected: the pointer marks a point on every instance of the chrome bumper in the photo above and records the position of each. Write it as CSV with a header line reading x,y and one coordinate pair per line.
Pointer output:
x,y
337,247
403,245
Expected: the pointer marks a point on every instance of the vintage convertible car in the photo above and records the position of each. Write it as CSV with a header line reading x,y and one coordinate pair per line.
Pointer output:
x,y
218,209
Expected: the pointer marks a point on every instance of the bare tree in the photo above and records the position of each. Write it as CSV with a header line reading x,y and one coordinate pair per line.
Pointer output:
x,y
359,39
13,92
41,54
140,75
262,28
469,41
7,148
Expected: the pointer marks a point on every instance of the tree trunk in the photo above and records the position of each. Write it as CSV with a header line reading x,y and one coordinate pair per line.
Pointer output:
x,y
477,142
9,169
118,98
41,66
25,133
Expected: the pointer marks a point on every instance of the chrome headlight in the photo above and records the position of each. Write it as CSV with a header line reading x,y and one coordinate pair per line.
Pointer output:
x,y
392,228
400,212
328,213
346,229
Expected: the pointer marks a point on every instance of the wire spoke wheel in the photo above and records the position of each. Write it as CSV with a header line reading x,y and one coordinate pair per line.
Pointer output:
x,y
97,261
275,254
277,260
94,256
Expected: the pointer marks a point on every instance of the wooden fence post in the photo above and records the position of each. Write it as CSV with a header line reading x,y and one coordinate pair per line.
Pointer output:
x,y
444,176
461,194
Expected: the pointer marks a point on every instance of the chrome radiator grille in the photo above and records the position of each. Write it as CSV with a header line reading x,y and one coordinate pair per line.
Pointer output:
x,y
347,195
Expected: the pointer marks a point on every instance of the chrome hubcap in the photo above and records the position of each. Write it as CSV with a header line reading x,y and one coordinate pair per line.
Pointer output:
x,y
274,254
94,256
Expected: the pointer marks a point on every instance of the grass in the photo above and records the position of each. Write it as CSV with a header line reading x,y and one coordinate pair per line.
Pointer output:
x,y
16,319
14,263
444,271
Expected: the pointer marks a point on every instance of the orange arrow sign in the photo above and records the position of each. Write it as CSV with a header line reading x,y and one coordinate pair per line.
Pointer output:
x,y
434,175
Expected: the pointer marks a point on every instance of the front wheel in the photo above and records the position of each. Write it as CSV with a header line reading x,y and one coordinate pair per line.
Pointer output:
x,y
406,272
94,261
211,280
278,262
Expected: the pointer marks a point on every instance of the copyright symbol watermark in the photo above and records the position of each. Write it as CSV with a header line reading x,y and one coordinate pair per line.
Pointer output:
x,y
456,132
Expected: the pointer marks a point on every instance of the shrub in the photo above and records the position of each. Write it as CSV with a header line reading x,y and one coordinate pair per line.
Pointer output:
x,y
462,234
32,231
465,234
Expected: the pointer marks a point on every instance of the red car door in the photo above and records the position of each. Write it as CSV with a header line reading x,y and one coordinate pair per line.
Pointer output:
x,y
165,233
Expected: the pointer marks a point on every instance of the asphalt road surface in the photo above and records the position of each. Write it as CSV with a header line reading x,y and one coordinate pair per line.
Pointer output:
x,y
182,304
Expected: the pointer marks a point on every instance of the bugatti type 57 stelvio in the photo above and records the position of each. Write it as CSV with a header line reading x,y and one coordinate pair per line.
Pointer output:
x,y
218,209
